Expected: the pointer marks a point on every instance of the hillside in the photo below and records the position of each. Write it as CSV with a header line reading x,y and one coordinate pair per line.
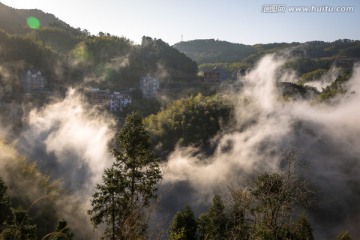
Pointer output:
x,y
72,57
14,20
213,51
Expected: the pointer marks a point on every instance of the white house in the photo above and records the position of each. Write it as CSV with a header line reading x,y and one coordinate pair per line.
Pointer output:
x,y
34,82
119,100
149,86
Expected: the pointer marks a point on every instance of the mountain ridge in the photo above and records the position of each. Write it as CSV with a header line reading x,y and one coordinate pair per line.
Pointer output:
x,y
13,20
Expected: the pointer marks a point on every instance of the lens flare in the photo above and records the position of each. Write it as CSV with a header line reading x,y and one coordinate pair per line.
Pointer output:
x,y
33,22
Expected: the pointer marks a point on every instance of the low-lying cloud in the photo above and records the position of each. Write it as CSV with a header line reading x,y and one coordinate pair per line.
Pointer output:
x,y
69,140
325,136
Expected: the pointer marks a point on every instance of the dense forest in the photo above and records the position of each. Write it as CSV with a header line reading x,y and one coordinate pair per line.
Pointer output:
x,y
267,154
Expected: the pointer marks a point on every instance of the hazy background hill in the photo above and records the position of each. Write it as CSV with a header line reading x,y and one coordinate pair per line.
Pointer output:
x,y
14,20
308,59
215,51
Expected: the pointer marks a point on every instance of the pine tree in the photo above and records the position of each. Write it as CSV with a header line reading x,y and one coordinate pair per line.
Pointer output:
x,y
213,223
302,229
183,225
218,219
128,186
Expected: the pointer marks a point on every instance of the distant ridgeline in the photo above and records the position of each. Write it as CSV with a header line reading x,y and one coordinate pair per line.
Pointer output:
x,y
308,57
14,21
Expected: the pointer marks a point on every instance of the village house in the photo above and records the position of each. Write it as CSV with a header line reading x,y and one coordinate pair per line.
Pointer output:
x,y
114,102
34,82
100,97
149,86
118,100
216,75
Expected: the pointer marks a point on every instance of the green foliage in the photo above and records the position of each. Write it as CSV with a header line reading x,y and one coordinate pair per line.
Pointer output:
x,y
177,65
177,235
80,54
274,197
302,229
104,48
189,121
39,194
293,91
144,107
306,64
335,88
183,225
238,227
266,209
213,224
118,63
308,56
313,75
62,53
25,49
273,200
59,39
128,186
19,227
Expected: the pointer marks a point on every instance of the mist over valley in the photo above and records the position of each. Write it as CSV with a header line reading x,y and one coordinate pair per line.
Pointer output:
x,y
203,139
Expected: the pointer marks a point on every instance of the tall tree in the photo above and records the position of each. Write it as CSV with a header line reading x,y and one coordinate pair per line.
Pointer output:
x,y
183,225
213,224
129,185
267,208
218,219
238,227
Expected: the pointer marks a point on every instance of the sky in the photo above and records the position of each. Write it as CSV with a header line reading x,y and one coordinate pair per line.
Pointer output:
x,y
238,21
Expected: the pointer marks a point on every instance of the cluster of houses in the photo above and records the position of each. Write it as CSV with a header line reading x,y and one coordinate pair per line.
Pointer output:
x,y
35,83
116,101
113,101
